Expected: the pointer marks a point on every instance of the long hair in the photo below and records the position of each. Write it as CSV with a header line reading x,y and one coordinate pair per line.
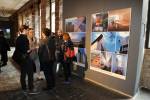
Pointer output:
x,y
66,36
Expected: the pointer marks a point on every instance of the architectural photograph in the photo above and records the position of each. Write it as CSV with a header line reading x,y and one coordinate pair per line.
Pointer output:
x,y
119,20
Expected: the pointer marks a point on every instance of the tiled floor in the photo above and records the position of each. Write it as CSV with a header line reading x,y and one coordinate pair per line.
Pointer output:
x,y
78,90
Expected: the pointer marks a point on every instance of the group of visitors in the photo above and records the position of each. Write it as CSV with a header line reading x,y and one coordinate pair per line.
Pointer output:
x,y
42,53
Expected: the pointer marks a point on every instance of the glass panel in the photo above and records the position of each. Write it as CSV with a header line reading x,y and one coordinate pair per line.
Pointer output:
x,y
53,22
48,16
53,16
53,7
60,14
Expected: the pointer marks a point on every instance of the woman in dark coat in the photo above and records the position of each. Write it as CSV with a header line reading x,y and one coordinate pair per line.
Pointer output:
x,y
68,51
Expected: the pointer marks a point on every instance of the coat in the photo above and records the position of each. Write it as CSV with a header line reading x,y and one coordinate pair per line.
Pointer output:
x,y
4,46
59,50
68,51
46,50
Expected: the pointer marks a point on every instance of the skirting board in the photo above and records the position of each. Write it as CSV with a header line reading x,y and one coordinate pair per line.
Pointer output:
x,y
122,93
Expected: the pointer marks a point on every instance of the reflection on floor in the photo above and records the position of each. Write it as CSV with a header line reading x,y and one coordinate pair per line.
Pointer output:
x,y
78,90
143,94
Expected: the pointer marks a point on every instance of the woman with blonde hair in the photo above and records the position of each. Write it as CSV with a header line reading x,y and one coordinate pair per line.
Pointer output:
x,y
68,51
33,44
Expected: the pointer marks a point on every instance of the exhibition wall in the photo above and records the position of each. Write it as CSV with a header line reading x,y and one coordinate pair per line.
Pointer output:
x,y
114,39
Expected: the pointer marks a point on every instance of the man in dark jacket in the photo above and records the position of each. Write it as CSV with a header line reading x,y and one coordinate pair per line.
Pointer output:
x,y
26,64
47,57
4,47
59,52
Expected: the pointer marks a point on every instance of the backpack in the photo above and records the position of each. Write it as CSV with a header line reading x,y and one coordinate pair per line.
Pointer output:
x,y
46,51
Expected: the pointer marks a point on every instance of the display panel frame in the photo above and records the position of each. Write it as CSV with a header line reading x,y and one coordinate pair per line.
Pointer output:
x,y
76,27
113,41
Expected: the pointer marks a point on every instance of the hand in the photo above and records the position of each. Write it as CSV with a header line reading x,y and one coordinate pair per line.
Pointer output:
x,y
29,51
37,46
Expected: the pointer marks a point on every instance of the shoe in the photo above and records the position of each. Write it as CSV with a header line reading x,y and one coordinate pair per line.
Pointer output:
x,y
67,82
59,75
69,79
47,89
24,91
33,91
40,78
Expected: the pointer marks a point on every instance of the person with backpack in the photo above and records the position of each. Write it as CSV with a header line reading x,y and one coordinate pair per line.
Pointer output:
x,y
46,54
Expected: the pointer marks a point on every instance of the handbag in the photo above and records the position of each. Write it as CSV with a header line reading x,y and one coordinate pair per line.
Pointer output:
x,y
15,56
18,57
69,54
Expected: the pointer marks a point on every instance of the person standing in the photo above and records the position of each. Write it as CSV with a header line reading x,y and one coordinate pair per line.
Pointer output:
x,y
47,57
34,52
26,64
68,51
59,52
4,47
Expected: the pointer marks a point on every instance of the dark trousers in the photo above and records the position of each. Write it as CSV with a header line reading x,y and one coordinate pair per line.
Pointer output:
x,y
49,74
4,57
59,72
27,70
67,70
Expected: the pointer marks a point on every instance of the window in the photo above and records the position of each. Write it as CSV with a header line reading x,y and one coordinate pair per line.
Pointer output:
x,y
60,14
47,14
147,38
53,15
